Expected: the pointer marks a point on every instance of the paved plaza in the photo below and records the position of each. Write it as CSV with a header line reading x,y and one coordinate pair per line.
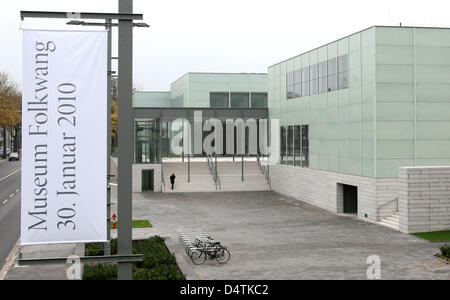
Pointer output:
x,y
270,237
276,237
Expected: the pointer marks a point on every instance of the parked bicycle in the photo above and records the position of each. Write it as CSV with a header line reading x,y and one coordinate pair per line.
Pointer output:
x,y
199,243
207,248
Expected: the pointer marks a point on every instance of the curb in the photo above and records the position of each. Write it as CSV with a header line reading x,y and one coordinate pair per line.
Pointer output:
x,y
181,262
9,261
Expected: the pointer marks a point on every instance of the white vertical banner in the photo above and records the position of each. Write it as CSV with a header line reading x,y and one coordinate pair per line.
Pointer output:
x,y
64,116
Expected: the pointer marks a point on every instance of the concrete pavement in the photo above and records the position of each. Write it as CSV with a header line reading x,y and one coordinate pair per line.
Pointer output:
x,y
270,236
276,237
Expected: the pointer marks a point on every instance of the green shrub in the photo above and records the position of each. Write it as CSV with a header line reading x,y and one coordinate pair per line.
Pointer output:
x,y
100,272
94,249
157,262
445,250
97,249
163,272
154,253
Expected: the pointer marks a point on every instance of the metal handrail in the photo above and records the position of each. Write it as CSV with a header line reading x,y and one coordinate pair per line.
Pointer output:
x,y
385,204
213,170
264,169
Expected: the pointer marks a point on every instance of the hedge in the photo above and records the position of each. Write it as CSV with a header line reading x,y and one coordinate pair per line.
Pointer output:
x,y
157,264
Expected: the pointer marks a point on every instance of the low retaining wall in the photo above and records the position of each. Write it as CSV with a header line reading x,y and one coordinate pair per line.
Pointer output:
x,y
320,188
424,199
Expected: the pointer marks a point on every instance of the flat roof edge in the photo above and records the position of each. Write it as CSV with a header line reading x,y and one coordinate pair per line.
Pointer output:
x,y
373,26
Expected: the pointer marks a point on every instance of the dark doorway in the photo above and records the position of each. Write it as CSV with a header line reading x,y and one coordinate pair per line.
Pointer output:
x,y
350,199
147,180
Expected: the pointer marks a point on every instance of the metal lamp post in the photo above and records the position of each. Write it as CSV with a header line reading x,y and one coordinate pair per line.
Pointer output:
x,y
125,17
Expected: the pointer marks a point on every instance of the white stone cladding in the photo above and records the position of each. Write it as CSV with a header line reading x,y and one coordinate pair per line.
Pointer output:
x,y
137,176
424,199
321,188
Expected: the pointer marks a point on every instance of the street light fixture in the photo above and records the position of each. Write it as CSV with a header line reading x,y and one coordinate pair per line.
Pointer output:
x,y
83,23
75,22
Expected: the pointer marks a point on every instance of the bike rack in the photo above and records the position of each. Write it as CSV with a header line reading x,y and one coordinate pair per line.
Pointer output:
x,y
187,237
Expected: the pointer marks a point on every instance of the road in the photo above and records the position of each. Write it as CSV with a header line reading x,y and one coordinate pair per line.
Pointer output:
x,y
9,207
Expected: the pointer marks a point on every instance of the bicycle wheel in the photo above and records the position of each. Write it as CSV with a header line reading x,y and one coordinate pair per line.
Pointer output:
x,y
189,250
223,255
198,257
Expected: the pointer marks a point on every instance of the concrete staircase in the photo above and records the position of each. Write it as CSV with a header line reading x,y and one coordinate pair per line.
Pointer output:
x,y
230,174
392,221
201,179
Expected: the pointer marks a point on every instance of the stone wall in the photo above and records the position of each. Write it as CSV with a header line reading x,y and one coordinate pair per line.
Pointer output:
x,y
322,188
424,199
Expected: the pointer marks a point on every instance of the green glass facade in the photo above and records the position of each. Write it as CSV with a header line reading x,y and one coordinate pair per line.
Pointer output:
x,y
376,100
220,90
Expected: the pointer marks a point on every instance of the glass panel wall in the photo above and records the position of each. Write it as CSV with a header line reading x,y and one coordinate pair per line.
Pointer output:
x,y
259,100
177,101
326,76
219,100
294,145
305,81
147,141
290,85
332,74
342,72
297,145
323,77
314,79
239,100
165,138
290,146
283,145
297,84
305,146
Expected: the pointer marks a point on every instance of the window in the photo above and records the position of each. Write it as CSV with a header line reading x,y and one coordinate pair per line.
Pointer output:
x,y
297,84
323,77
259,100
305,81
239,100
165,138
290,145
314,79
305,146
332,74
290,85
146,141
297,145
326,76
218,100
342,72
294,145
282,144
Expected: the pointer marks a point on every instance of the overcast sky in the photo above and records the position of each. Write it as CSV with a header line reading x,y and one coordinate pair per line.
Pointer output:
x,y
221,35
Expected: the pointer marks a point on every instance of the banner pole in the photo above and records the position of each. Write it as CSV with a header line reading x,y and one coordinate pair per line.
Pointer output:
x,y
108,140
126,140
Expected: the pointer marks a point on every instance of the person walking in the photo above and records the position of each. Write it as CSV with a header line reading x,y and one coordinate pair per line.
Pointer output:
x,y
172,179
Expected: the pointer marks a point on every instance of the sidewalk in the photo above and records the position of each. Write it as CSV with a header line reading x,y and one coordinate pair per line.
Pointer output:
x,y
44,272
12,271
